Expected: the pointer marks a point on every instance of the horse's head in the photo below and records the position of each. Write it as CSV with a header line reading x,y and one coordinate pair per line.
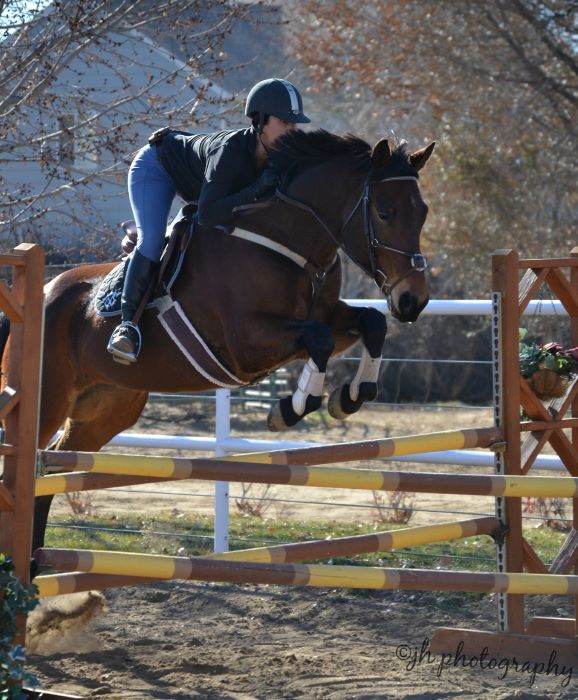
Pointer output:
x,y
393,216
367,202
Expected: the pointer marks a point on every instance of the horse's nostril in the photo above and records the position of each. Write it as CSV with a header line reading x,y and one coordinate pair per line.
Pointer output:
x,y
407,306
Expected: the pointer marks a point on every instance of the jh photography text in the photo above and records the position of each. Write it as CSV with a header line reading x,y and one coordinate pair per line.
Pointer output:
x,y
414,656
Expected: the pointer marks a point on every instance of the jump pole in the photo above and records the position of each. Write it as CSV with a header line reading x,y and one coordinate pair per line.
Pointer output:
x,y
108,466
130,469
205,569
57,584
320,454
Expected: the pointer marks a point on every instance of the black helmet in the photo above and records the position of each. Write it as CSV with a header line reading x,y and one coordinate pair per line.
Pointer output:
x,y
277,97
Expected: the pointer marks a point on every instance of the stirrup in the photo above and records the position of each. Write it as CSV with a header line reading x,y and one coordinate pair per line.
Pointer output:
x,y
125,343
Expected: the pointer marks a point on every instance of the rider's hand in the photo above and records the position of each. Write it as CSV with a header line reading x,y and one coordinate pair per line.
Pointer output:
x,y
268,182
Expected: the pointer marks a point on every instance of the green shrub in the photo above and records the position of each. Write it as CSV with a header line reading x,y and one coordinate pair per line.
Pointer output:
x,y
16,599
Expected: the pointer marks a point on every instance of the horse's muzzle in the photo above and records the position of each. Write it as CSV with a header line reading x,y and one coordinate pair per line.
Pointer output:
x,y
407,307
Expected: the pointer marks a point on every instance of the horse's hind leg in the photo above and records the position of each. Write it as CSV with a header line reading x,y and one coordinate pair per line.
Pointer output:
x,y
98,414
372,327
317,339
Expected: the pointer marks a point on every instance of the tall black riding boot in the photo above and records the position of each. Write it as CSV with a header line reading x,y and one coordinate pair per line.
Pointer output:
x,y
125,341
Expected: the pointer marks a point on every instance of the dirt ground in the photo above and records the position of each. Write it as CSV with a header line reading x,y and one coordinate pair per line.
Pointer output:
x,y
198,640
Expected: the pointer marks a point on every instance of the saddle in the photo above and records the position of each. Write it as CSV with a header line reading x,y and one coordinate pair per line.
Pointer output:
x,y
108,297
170,314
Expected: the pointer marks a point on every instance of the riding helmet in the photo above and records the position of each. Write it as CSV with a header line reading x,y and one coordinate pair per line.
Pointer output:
x,y
277,97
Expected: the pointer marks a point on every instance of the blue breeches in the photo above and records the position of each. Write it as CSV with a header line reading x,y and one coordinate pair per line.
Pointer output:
x,y
151,191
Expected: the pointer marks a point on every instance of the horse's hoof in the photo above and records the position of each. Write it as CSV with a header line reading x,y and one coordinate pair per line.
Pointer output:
x,y
275,421
334,406
340,405
282,416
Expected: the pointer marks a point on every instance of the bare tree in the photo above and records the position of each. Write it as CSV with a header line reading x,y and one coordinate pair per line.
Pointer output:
x,y
81,84
494,81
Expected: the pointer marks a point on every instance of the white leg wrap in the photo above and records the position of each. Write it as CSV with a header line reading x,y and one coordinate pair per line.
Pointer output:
x,y
368,371
310,384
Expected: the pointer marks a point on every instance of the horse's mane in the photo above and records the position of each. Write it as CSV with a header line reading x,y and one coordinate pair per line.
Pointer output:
x,y
302,148
312,147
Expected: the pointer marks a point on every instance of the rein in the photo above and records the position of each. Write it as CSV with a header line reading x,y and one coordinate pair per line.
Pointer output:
x,y
418,261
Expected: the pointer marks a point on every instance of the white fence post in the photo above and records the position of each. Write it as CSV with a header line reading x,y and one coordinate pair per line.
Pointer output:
x,y
222,433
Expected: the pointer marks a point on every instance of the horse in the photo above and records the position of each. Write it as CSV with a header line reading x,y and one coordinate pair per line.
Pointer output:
x,y
257,300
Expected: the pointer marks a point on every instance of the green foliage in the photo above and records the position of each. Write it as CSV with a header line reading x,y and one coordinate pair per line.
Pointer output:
x,y
550,356
16,600
192,536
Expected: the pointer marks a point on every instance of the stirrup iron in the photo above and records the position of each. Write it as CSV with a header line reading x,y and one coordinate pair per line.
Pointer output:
x,y
125,343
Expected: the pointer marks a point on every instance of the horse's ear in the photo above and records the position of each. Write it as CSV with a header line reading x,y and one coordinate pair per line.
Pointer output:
x,y
419,158
380,154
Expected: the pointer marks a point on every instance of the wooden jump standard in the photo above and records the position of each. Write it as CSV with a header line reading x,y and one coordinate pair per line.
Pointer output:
x,y
282,554
515,282
19,401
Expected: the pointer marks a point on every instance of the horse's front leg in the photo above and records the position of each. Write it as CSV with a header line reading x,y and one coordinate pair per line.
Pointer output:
x,y
317,339
372,327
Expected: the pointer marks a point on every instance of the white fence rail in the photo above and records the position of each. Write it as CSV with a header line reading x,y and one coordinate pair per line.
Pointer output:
x,y
223,443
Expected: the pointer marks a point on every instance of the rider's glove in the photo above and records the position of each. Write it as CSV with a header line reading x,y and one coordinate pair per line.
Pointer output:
x,y
267,182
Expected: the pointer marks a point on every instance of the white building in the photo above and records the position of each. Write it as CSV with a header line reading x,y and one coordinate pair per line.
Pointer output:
x,y
65,151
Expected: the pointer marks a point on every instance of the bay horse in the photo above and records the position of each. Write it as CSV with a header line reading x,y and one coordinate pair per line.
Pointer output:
x,y
257,307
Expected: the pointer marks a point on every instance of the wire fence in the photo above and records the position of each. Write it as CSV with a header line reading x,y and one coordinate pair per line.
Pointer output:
x,y
361,512
250,406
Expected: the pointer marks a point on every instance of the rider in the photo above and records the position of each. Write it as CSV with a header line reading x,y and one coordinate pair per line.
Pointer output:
x,y
221,170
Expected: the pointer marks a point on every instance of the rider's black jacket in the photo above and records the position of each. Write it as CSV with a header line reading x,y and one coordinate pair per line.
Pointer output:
x,y
216,169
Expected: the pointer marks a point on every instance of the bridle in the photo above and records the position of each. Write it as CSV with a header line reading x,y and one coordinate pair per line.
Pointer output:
x,y
417,260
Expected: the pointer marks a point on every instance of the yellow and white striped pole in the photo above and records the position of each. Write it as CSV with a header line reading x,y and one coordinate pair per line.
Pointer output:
x,y
55,584
149,566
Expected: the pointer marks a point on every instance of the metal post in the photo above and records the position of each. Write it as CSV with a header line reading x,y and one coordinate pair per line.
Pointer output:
x,y
505,282
574,408
222,432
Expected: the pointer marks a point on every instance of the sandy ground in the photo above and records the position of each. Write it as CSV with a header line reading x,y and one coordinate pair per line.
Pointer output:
x,y
198,640
195,640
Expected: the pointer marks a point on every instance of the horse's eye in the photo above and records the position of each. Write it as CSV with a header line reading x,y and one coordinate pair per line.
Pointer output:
x,y
386,214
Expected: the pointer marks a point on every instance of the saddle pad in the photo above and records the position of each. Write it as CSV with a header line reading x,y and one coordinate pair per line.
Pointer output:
x,y
107,300
108,297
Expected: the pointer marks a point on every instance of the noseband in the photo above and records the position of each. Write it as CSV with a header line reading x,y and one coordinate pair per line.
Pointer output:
x,y
417,260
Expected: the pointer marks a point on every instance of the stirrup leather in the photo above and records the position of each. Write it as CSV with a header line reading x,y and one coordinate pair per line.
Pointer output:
x,y
125,342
